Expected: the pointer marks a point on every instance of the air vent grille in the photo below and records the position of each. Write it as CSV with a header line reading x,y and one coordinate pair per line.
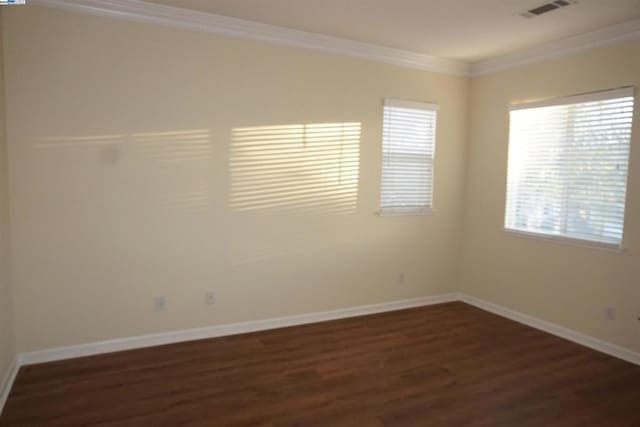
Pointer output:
x,y
546,8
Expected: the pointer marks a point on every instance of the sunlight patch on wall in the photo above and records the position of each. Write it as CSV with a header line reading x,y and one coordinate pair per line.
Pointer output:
x,y
109,146
305,168
174,146
80,141
195,198
162,146
167,168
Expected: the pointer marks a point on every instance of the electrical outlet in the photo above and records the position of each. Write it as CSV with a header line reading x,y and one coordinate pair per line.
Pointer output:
x,y
210,297
401,278
160,303
610,313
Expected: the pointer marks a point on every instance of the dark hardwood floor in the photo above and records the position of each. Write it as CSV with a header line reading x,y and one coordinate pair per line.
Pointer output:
x,y
443,365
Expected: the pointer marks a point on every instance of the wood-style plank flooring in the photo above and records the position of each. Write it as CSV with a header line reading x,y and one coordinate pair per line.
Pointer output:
x,y
443,365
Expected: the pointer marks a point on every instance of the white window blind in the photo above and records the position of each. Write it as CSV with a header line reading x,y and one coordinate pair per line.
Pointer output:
x,y
408,147
568,162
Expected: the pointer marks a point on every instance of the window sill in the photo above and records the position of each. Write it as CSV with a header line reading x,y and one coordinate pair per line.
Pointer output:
x,y
609,247
404,212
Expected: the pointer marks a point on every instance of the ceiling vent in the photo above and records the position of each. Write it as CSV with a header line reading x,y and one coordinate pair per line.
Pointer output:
x,y
546,8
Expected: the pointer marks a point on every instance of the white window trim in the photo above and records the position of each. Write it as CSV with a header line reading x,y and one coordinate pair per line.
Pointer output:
x,y
411,104
405,211
413,211
623,92
568,241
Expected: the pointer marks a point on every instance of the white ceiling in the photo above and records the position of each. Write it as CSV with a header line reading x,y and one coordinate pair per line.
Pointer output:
x,y
468,30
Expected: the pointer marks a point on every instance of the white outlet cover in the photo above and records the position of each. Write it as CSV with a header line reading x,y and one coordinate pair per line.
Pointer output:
x,y
210,297
610,313
160,303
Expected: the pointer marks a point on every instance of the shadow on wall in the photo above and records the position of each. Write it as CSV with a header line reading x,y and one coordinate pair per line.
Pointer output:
x,y
300,168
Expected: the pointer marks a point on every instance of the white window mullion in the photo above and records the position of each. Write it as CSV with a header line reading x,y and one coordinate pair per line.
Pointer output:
x,y
568,151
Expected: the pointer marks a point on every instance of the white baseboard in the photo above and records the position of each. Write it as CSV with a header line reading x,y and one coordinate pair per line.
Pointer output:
x,y
7,381
141,341
557,330
151,340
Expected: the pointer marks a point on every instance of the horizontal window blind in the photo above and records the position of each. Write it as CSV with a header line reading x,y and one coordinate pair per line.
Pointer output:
x,y
568,162
408,147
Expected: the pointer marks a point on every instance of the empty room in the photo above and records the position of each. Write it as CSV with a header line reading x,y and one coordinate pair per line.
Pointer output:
x,y
319,213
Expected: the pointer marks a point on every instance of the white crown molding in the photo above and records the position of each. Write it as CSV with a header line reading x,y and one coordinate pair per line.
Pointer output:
x,y
618,33
7,382
552,328
151,340
140,11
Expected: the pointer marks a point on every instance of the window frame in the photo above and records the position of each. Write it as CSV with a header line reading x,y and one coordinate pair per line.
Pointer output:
x,y
412,210
603,95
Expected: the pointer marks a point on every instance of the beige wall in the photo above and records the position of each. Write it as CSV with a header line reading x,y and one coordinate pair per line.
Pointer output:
x,y
567,285
7,340
127,180
137,159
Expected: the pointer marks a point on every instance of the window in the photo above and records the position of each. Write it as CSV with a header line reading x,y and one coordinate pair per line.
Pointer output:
x,y
568,161
408,146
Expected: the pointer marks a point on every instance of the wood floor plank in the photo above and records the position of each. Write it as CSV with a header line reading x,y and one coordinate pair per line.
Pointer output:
x,y
444,365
